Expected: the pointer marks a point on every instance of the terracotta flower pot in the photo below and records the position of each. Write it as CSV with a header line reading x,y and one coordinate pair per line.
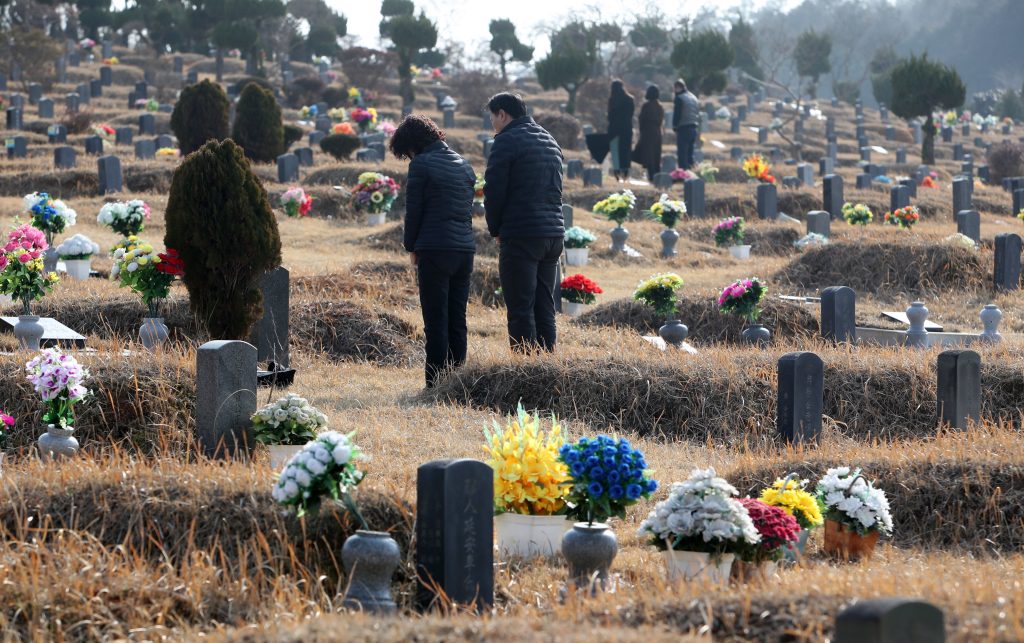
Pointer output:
x,y
848,544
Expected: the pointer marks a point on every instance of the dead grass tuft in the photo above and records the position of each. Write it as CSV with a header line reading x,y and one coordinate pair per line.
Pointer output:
x,y
349,331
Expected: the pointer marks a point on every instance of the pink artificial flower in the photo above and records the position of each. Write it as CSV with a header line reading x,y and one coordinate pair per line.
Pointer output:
x,y
25,257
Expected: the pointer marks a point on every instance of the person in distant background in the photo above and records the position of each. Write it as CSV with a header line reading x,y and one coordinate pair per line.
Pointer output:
x,y
651,122
685,122
620,129
439,237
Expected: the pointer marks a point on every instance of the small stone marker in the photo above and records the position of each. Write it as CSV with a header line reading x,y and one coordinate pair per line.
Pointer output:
x,y
71,102
455,533
693,197
45,106
968,223
890,620
959,388
109,169
225,397
736,153
35,92
165,140
145,149
591,176
57,133
17,147
448,119
947,134
316,137
567,215
573,169
958,152
93,145
147,125
767,201
1007,261
106,76
865,154
826,165
832,195
14,120
839,314
123,136
663,181
899,197
287,168
669,162
305,156
819,222
863,181
734,125
84,93
64,157
270,333
801,384
805,172
95,88
961,194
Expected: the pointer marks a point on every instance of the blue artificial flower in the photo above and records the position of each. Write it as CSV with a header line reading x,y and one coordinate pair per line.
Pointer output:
x,y
595,473
624,447
625,470
652,486
611,463
603,440
615,492
571,456
640,463
610,452
592,461
614,476
577,469
595,489
633,491
583,442
565,450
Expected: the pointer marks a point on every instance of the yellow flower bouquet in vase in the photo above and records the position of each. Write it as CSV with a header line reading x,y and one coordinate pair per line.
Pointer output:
x,y
530,485
789,494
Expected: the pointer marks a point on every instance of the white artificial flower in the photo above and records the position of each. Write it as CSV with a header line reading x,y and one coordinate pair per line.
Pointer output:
x,y
280,415
302,477
341,454
316,467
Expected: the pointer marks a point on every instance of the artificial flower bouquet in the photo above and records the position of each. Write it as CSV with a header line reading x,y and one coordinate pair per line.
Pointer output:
x,y
729,232
577,289
857,214
1020,215
854,502
743,299
168,152
105,132
57,379
147,272
757,168
355,95
6,422
308,112
478,188
707,171
77,248
387,127
659,292
325,467
680,174
961,240
668,211
904,217
289,420
576,237
50,215
374,192
607,476
113,60
296,202
700,515
617,206
778,530
338,114
343,128
529,477
126,218
790,495
811,240
22,275
364,118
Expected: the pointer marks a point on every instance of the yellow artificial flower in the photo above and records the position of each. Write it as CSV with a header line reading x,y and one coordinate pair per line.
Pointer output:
x,y
795,501
529,477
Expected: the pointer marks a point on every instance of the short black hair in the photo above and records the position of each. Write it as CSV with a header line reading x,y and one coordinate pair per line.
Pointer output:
x,y
653,93
513,104
415,134
681,83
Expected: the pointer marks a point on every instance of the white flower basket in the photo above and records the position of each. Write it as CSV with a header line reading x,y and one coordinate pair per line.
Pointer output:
x,y
530,536
280,454
376,218
576,256
740,252
77,269
692,566
573,309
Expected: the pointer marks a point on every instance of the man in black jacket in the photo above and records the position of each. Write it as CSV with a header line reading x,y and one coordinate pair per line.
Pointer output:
x,y
523,198
439,237
685,123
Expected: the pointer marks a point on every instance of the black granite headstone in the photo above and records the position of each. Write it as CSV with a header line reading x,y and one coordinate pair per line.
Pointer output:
x,y
911,185
890,620
305,156
567,216
93,145
839,314
693,197
17,147
145,149
591,176
958,391
95,88
35,93
863,181
899,197
147,125
819,222
14,121
832,195
573,169
801,384
287,168
71,102
141,89
962,188
901,156
316,137
123,136
1006,275
64,157
968,223
109,169
106,76
767,201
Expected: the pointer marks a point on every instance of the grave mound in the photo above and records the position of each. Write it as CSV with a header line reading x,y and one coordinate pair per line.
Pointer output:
x,y
907,267
774,240
347,331
959,505
699,311
117,316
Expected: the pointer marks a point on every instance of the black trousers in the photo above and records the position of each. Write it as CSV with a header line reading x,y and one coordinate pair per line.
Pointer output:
x,y
443,278
526,267
686,138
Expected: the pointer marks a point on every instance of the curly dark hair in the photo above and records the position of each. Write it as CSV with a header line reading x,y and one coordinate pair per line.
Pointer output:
x,y
415,134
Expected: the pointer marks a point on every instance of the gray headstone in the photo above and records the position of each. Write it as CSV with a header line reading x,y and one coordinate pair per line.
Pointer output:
x,y
693,197
839,314
287,168
801,387
74,59
767,201
958,391
270,334
573,169
805,172
192,77
107,48
741,112
487,149
890,620
865,154
592,177
958,152
145,149
826,165
567,215
109,169
983,173
368,155
965,129
225,397
316,137
93,145
35,93
84,93
899,197
147,125
123,136
911,185
14,118
96,88
962,189
305,156
968,223
860,132
17,147
734,125
57,133
663,181
669,162
790,182
448,119
1007,261
830,127
141,89
71,102
915,132
819,222
45,108
863,181
132,99
736,153
832,195
762,135
323,124
106,76
165,140
64,157
832,150
179,64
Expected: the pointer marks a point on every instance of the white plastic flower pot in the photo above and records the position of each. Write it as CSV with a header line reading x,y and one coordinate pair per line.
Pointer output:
x,y
530,536
573,309
280,454
692,566
77,269
740,252
576,256
376,218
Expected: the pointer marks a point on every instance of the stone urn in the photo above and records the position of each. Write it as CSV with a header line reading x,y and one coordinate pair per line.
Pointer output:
x,y
28,330
589,548
153,332
370,558
674,332
990,318
669,238
757,334
619,236
917,336
796,551
57,443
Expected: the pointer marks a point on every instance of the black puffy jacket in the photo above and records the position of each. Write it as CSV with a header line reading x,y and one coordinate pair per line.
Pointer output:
x,y
439,201
523,194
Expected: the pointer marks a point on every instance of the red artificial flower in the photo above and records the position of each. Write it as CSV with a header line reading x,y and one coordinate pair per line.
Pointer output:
x,y
305,206
777,528
171,263
581,283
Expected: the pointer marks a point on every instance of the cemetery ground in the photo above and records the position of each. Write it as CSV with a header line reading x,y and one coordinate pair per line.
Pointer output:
x,y
140,537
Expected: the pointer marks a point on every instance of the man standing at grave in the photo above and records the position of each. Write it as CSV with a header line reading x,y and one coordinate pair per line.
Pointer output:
x,y
523,199
685,123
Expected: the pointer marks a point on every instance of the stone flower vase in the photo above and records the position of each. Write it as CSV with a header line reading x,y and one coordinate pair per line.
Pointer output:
x,y
50,258
370,558
28,330
669,238
848,544
589,548
757,334
674,332
57,443
153,332
619,236
990,318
